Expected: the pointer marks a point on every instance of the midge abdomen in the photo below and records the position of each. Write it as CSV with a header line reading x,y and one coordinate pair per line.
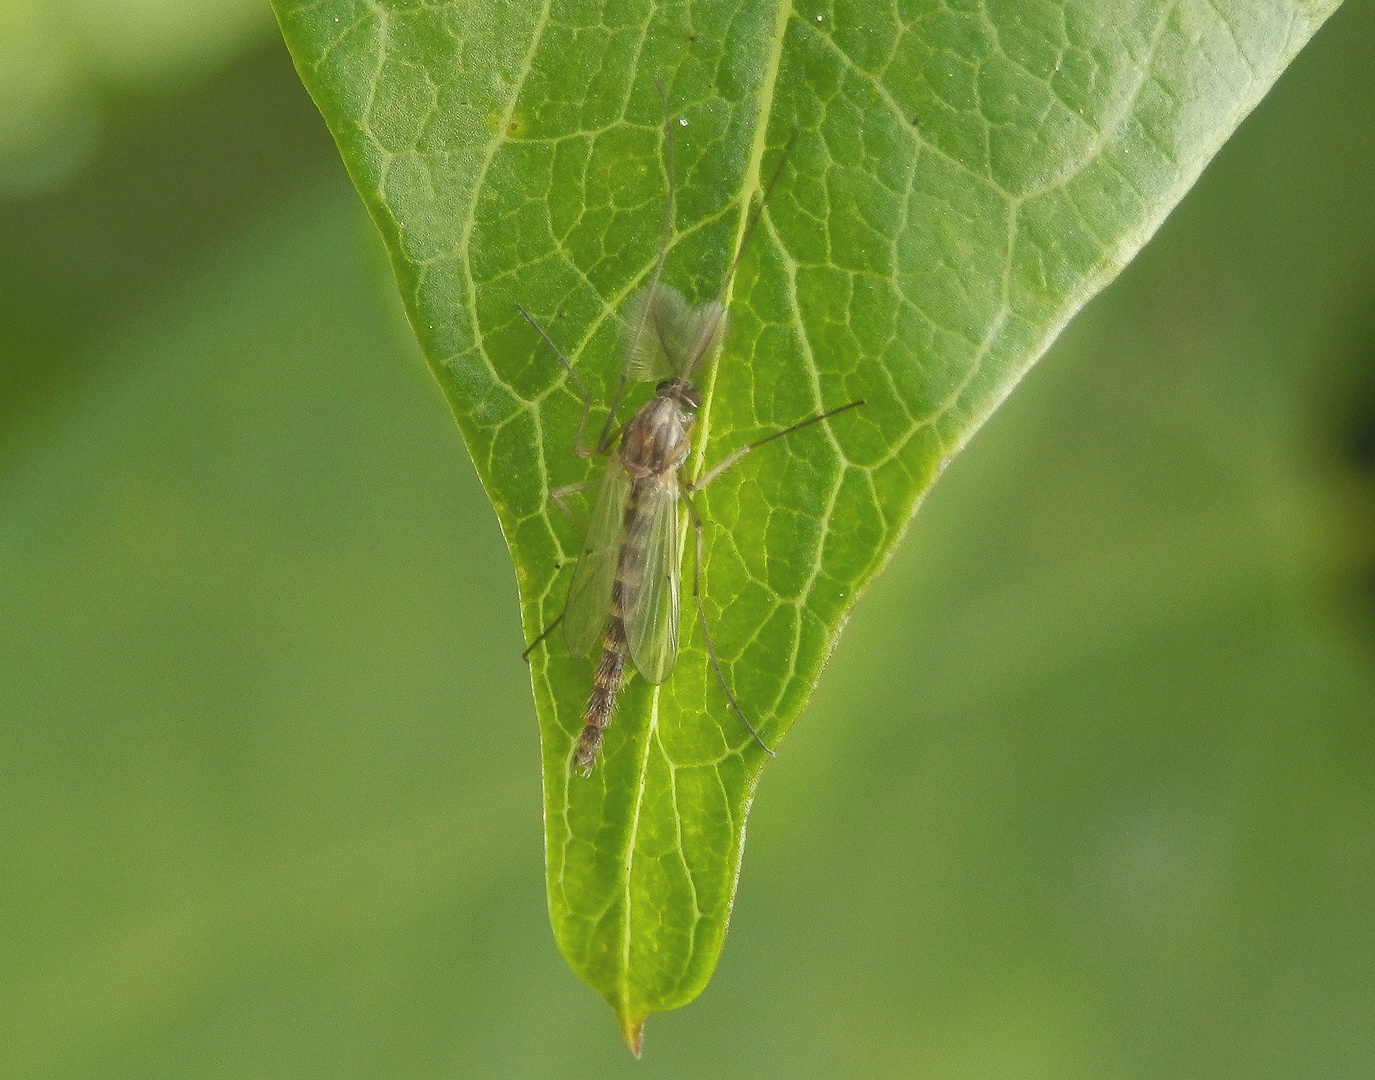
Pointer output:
x,y
625,591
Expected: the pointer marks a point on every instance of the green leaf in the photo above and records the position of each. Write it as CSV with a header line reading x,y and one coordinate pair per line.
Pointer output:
x,y
965,176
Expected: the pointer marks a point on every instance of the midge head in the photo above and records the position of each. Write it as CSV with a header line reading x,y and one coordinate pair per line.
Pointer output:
x,y
681,391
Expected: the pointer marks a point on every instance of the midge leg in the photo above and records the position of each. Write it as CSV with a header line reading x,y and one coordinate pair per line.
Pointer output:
x,y
556,497
735,455
706,478
609,430
544,634
558,494
706,631
608,436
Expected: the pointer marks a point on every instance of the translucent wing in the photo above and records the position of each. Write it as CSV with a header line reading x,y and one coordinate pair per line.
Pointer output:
x,y
651,621
667,336
589,596
645,355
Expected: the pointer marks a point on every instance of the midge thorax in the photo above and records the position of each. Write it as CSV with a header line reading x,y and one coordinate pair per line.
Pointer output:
x,y
624,596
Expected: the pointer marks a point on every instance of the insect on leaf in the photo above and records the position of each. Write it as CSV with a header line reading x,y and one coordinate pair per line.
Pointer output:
x,y
962,179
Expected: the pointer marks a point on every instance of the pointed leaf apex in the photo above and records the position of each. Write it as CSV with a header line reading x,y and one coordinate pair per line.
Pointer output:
x,y
633,1028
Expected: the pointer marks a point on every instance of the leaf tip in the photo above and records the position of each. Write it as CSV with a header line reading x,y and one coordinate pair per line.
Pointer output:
x,y
633,1028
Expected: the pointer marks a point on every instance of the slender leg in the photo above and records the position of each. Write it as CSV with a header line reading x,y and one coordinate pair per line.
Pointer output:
x,y
608,436
706,632
547,631
578,448
735,456
556,497
558,494
710,475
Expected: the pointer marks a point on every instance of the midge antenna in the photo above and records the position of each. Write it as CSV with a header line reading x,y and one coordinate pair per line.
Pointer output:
x,y
750,225
665,236
624,596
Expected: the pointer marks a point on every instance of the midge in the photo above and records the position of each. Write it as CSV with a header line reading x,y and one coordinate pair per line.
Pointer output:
x,y
624,594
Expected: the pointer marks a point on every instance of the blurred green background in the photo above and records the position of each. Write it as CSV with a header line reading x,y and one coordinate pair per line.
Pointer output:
x,y
1088,789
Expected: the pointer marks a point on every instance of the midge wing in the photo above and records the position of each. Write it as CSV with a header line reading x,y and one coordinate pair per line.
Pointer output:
x,y
699,332
666,335
651,622
645,358
589,596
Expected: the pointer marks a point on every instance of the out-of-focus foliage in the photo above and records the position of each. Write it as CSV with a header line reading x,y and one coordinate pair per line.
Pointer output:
x,y
1085,792
180,177
58,57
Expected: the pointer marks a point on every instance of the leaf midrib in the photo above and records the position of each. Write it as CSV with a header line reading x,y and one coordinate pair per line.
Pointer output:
x,y
750,183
